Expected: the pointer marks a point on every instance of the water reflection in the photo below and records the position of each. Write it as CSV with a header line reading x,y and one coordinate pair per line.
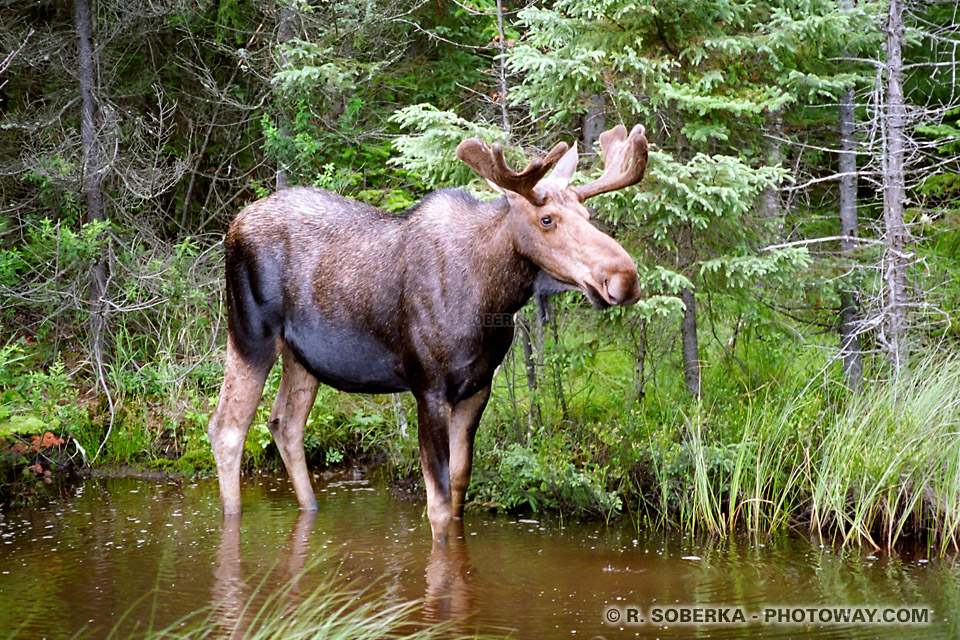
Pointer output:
x,y
129,553
230,592
447,595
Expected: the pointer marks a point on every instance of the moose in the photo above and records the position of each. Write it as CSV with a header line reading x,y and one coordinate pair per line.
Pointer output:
x,y
368,301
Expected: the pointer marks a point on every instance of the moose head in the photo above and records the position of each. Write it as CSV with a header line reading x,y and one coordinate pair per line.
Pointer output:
x,y
550,225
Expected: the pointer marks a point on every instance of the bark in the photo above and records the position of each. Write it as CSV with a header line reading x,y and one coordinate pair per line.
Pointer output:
x,y
640,357
770,196
894,196
689,345
530,364
502,68
93,176
287,33
690,348
850,347
593,122
557,371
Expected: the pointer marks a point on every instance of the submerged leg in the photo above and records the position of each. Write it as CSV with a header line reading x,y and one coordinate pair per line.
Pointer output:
x,y
298,389
433,420
242,387
464,419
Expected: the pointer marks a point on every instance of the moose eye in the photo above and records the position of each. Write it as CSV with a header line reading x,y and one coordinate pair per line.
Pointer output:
x,y
546,221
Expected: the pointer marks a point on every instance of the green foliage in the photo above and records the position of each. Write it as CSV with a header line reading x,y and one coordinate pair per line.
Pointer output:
x,y
428,152
203,104
526,479
51,262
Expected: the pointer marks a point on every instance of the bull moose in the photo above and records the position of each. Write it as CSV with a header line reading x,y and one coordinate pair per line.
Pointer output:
x,y
372,302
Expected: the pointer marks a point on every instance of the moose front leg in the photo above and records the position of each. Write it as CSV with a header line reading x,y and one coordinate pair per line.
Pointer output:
x,y
433,423
464,420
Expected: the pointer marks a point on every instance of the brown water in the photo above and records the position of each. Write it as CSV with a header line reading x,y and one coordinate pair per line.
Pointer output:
x,y
159,549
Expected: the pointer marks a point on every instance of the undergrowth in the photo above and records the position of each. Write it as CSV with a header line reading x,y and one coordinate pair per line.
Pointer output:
x,y
776,442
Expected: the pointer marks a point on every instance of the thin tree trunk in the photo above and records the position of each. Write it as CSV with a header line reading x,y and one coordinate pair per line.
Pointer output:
x,y
530,364
688,325
640,357
770,196
286,35
502,67
850,347
557,371
894,195
593,122
93,176
689,344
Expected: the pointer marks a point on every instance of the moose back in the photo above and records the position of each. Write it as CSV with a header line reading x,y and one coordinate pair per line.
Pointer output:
x,y
372,302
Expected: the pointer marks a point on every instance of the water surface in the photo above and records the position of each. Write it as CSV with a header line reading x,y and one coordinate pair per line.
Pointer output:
x,y
122,551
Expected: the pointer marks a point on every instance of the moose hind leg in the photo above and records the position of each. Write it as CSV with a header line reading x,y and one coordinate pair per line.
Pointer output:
x,y
298,389
239,396
464,419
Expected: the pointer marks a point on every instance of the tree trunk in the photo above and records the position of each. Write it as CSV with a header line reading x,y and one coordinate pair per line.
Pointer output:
x,y
557,370
770,196
688,325
894,196
530,364
850,348
286,34
93,176
689,344
640,357
502,68
593,122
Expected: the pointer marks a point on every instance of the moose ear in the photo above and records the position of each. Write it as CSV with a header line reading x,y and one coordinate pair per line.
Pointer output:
x,y
565,168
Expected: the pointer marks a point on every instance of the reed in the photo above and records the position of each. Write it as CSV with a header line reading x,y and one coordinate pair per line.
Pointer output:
x,y
889,466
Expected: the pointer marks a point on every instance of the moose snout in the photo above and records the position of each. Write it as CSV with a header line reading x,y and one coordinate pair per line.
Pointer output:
x,y
623,287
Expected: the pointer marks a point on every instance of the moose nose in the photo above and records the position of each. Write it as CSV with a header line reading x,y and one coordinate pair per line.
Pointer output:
x,y
623,288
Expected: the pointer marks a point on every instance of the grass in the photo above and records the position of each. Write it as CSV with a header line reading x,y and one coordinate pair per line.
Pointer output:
x,y
330,609
889,466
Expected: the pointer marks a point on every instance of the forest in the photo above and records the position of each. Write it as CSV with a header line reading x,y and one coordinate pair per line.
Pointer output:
x,y
794,361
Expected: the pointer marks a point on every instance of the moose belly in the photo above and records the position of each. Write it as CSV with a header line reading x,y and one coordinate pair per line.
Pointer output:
x,y
345,358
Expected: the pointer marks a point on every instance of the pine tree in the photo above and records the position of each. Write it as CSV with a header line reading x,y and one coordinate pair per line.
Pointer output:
x,y
711,79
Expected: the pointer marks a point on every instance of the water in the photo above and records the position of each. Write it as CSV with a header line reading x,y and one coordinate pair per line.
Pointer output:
x,y
121,552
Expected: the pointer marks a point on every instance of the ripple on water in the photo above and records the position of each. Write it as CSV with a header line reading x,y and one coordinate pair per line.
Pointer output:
x,y
162,549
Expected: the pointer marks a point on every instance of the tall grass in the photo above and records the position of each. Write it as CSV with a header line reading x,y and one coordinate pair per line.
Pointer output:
x,y
890,464
328,610
763,491
880,468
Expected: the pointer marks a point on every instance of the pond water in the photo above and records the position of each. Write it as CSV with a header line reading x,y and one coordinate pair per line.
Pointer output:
x,y
121,551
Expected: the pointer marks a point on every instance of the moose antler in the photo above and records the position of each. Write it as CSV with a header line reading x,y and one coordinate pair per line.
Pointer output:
x,y
619,149
490,164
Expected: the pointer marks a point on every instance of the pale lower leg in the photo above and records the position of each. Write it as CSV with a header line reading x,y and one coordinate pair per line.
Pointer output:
x,y
464,418
298,389
227,429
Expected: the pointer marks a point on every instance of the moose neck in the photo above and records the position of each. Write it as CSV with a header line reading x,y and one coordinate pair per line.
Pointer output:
x,y
478,251
507,274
